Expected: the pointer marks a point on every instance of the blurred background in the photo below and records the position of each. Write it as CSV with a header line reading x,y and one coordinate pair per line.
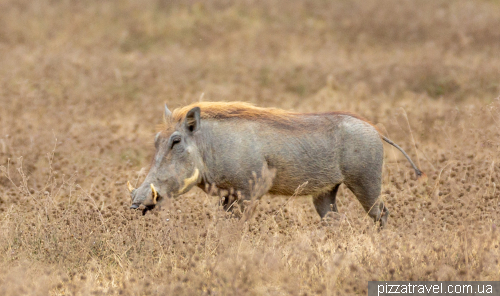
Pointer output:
x,y
82,88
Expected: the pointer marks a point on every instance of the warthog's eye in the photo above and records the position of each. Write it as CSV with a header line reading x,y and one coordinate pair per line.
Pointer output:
x,y
175,140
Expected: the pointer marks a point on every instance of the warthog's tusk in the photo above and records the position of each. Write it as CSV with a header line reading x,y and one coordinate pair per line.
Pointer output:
x,y
190,180
154,193
130,188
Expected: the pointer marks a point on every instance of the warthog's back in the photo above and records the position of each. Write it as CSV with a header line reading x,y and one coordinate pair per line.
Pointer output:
x,y
321,149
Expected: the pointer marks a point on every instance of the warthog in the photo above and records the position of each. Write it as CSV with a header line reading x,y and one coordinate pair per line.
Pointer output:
x,y
229,145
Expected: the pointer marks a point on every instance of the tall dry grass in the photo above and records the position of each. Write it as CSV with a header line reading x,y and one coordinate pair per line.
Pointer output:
x,y
82,86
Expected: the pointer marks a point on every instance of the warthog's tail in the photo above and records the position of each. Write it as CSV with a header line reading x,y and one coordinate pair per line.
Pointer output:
x,y
420,175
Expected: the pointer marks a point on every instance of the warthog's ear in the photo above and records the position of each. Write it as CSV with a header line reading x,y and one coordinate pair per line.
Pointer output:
x,y
167,114
193,119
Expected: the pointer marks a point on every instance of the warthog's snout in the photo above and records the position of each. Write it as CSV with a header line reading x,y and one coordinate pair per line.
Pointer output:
x,y
144,195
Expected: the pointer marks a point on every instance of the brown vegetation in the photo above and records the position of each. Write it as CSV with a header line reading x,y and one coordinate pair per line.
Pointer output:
x,y
82,86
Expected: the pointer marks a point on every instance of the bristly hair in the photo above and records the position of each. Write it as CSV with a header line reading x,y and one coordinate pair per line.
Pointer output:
x,y
224,110
227,110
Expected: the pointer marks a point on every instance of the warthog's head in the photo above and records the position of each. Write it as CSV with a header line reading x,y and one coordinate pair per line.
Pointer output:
x,y
176,166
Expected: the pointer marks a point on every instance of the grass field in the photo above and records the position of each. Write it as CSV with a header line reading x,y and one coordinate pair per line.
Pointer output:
x,y
82,88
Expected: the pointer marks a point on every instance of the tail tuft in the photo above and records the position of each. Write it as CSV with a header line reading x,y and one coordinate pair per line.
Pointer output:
x,y
421,177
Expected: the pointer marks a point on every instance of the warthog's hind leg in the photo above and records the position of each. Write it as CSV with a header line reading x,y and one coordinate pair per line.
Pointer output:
x,y
368,195
326,202
384,213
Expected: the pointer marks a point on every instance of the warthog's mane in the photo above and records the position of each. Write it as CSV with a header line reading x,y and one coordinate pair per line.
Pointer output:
x,y
242,110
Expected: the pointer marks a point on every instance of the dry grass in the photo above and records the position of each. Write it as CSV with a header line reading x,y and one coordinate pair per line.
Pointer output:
x,y
82,85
